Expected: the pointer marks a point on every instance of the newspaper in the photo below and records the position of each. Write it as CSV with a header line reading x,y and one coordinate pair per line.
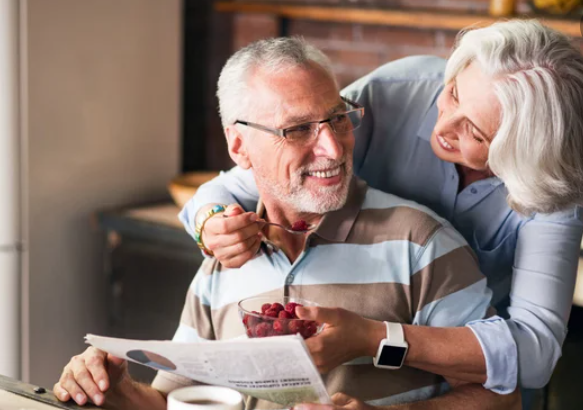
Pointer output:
x,y
279,369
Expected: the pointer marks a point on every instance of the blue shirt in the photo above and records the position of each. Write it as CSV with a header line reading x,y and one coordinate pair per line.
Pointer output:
x,y
530,262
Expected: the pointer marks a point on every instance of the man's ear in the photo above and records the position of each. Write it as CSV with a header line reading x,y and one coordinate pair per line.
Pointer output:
x,y
237,147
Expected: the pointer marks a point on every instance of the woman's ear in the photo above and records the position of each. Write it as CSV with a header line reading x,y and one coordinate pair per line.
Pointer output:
x,y
237,147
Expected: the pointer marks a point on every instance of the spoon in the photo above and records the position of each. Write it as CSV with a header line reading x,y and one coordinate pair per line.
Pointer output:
x,y
300,227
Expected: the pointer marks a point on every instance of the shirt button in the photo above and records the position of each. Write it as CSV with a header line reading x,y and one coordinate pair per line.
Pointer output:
x,y
474,191
289,280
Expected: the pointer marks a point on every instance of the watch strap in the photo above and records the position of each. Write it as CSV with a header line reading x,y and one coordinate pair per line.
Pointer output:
x,y
395,332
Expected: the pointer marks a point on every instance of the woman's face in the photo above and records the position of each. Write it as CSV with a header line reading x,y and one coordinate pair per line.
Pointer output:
x,y
469,115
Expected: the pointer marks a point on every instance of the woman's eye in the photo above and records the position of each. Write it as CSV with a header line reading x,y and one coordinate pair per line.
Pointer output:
x,y
479,139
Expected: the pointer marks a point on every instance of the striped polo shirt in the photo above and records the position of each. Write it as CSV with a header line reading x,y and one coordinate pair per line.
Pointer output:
x,y
380,256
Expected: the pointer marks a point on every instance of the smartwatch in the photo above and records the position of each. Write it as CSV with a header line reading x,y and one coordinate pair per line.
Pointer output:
x,y
393,349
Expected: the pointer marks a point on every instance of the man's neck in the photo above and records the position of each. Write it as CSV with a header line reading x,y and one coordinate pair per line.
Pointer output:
x,y
291,244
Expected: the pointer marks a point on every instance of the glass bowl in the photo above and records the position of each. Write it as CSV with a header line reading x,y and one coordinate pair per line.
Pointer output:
x,y
275,316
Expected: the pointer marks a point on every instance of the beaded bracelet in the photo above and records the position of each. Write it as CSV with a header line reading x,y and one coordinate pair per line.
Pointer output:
x,y
200,226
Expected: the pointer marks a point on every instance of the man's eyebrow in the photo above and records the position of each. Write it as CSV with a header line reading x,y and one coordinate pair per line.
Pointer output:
x,y
341,105
298,119
457,94
303,118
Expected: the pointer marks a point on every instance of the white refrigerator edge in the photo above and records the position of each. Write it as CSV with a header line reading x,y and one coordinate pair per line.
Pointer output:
x,y
10,232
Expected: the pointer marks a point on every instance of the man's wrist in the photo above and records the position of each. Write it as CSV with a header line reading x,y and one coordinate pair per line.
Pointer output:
x,y
120,395
130,394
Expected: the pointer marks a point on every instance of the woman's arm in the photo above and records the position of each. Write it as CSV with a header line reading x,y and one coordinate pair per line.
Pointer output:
x,y
234,186
544,274
449,351
499,353
467,396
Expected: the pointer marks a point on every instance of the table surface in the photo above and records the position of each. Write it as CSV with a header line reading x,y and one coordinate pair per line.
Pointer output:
x,y
11,401
157,222
17,395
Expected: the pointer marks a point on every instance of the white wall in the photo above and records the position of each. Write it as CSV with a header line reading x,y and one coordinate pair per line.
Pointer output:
x,y
102,129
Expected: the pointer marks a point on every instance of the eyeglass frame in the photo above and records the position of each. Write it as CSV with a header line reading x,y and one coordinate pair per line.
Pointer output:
x,y
280,132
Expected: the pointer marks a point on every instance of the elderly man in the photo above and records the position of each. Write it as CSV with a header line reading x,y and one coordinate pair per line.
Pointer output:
x,y
373,257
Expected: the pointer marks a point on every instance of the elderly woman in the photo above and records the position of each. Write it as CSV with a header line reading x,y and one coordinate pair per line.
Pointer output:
x,y
492,140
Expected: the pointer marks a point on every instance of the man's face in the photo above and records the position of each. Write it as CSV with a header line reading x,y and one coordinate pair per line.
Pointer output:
x,y
310,177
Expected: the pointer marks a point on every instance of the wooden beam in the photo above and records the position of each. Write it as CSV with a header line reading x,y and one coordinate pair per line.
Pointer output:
x,y
399,18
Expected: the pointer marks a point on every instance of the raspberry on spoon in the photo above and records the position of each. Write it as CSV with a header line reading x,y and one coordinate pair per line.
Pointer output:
x,y
300,226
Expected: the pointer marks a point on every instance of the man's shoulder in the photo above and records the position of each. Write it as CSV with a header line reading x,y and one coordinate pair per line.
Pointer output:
x,y
377,199
389,217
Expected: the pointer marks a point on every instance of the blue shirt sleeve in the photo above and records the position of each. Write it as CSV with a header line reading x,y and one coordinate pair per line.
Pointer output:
x,y
234,186
544,274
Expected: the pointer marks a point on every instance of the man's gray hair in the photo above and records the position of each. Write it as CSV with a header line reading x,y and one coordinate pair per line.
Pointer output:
x,y
274,55
538,76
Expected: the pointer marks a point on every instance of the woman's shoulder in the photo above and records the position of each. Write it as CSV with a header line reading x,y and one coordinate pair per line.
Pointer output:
x,y
410,68
426,70
571,216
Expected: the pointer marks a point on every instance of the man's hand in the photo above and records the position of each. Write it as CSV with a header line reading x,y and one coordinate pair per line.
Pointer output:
x,y
346,336
89,375
341,402
233,240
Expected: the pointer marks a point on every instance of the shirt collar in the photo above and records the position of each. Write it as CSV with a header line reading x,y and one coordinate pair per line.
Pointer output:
x,y
426,128
494,181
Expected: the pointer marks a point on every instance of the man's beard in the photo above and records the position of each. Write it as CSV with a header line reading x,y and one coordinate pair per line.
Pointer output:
x,y
303,199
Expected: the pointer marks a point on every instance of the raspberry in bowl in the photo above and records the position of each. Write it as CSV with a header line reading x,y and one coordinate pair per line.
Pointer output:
x,y
271,316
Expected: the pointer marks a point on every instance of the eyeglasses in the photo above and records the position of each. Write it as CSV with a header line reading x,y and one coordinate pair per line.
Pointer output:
x,y
341,123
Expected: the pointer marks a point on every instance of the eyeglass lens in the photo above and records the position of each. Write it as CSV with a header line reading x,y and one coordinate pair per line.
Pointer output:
x,y
340,124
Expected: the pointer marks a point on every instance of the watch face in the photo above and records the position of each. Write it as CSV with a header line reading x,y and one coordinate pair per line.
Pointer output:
x,y
392,356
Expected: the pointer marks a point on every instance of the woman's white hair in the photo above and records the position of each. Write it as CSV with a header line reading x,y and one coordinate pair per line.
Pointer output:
x,y
538,76
273,55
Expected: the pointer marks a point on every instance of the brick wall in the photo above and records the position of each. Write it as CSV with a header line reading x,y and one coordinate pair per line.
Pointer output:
x,y
355,49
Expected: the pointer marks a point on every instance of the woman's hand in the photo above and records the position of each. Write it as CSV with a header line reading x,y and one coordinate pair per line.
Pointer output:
x,y
234,239
341,402
346,336
90,375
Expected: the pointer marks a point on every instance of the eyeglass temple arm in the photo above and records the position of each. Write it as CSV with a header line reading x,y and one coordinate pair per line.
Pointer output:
x,y
262,128
354,104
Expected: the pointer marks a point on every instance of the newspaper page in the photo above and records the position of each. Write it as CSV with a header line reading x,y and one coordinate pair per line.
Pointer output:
x,y
279,369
